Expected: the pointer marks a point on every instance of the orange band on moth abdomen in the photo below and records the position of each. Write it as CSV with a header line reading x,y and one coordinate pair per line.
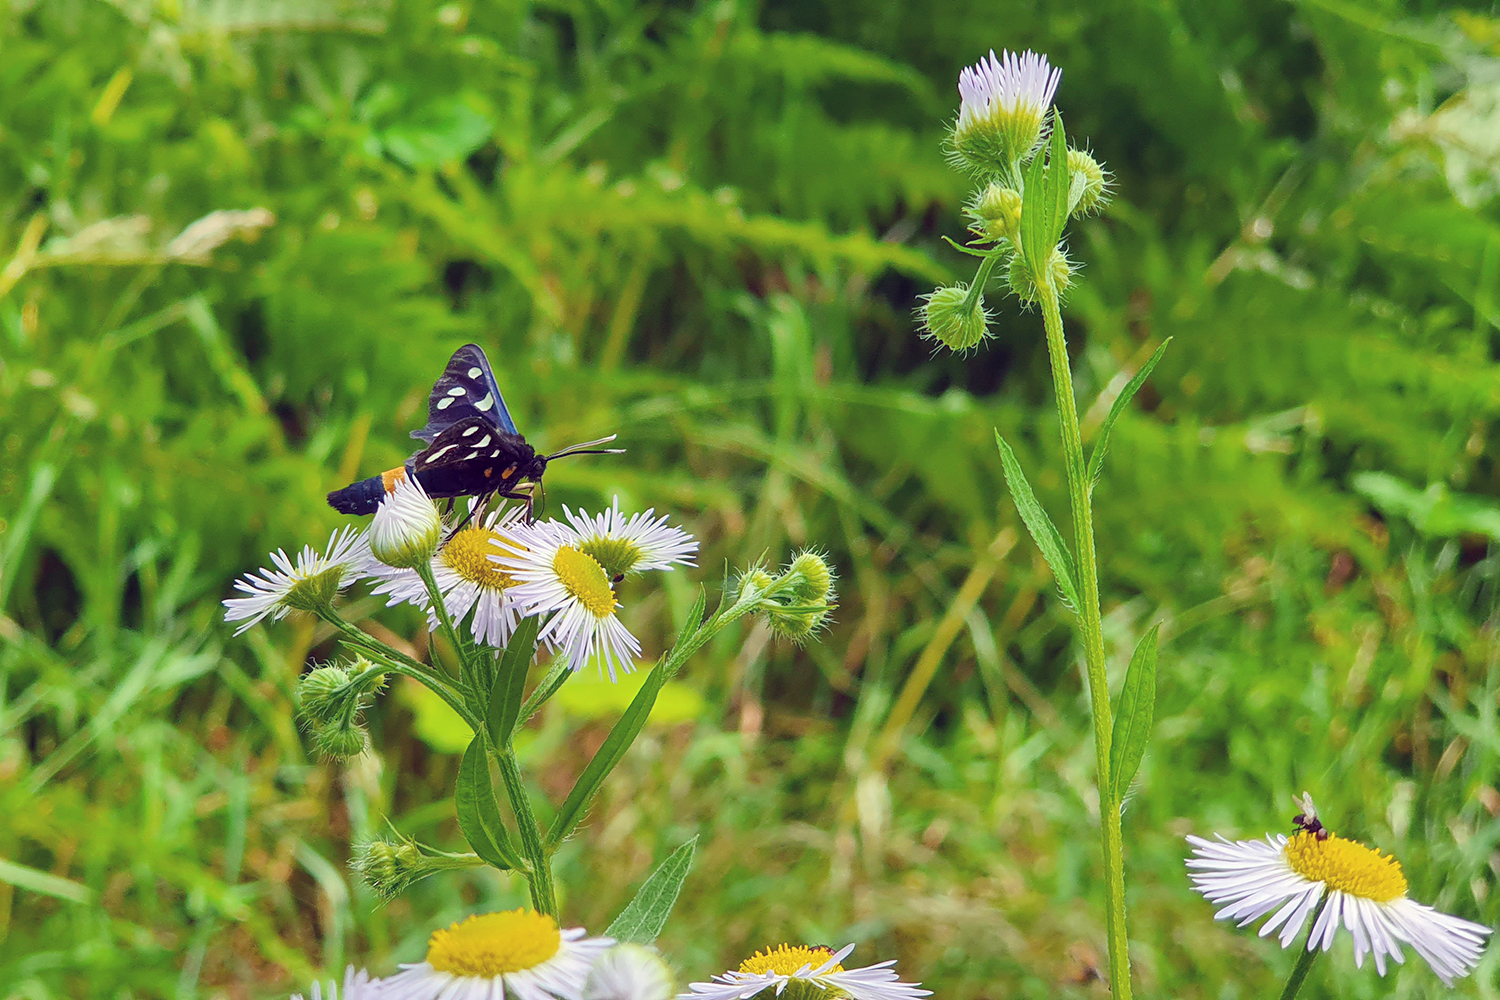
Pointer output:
x,y
390,477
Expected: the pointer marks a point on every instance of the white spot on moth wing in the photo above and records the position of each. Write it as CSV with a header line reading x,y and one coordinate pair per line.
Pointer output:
x,y
435,455
444,403
484,404
475,372
495,453
457,390
472,454
472,430
482,444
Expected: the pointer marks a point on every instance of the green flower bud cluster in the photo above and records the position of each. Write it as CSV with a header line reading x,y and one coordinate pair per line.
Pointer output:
x,y
1023,282
390,868
331,699
995,213
797,602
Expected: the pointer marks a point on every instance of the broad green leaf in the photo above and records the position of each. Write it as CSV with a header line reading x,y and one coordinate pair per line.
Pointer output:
x,y
645,915
1054,549
433,720
478,813
1096,460
510,682
1058,182
1133,716
570,813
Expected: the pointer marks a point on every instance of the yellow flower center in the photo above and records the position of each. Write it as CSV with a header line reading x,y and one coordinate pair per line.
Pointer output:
x,y
617,556
491,944
1346,866
468,554
786,959
585,580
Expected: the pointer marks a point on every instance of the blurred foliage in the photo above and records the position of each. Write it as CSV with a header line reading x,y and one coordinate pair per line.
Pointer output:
x,y
705,227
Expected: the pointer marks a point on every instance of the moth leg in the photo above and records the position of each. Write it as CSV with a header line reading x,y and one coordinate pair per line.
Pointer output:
x,y
483,499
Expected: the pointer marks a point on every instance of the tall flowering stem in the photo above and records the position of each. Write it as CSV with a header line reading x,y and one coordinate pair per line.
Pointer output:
x,y
1091,625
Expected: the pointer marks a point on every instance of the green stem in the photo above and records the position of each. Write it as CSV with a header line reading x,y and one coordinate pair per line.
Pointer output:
x,y
543,895
1092,627
1304,960
440,608
976,290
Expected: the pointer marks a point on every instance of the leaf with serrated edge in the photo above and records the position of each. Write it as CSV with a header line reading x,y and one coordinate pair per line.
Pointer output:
x,y
646,914
1137,708
478,813
1096,460
1040,525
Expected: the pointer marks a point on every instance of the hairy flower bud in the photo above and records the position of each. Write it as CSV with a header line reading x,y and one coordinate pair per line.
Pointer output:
x,y
814,577
389,868
947,318
340,739
997,213
1089,190
320,693
1023,282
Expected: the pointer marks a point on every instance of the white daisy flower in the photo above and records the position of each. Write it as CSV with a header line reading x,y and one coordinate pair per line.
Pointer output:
x,y
1004,103
799,973
467,579
1366,893
516,953
554,575
310,585
629,972
631,545
357,986
406,529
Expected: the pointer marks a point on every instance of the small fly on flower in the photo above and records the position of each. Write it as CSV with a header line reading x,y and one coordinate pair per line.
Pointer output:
x,y
472,446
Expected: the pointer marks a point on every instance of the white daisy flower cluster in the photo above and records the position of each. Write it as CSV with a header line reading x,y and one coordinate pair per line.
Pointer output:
x,y
524,955
491,572
1365,892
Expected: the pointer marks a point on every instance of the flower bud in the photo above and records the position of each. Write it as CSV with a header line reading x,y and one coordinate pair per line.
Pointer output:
x,y
797,624
815,579
341,739
387,868
321,692
406,529
945,317
997,213
1023,283
629,972
1089,190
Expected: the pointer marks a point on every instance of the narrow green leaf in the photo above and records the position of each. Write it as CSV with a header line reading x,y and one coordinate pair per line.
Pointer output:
x,y
1058,181
570,813
1054,549
645,915
694,618
510,682
1133,716
1034,244
1096,460
478,813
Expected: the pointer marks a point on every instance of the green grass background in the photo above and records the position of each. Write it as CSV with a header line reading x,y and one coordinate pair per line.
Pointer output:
x,y
705,226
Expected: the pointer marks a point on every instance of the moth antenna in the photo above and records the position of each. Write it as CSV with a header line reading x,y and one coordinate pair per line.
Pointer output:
x,y
589,448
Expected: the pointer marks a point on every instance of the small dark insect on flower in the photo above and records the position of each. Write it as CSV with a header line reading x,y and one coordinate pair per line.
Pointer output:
x,y
472,445
1307,820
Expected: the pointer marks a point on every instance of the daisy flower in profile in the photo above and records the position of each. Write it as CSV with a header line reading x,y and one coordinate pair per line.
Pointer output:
x,y
466,577
357,986
798,973
1004,102
1364,889
519,953
629,972
310,585
406,529
555,575
635,544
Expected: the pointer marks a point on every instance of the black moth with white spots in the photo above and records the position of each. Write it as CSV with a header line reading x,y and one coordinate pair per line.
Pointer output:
x,y
473,447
